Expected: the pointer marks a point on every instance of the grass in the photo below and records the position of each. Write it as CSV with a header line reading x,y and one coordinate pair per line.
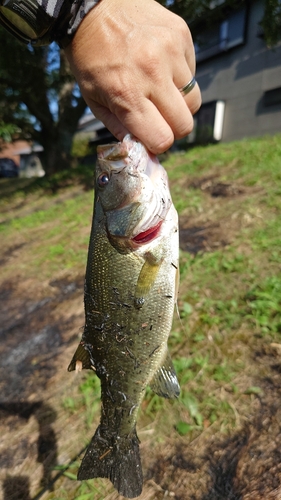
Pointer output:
x,y
57,236
229,298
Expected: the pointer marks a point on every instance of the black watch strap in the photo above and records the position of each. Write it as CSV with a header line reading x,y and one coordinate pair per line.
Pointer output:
x,y
59,31
29,22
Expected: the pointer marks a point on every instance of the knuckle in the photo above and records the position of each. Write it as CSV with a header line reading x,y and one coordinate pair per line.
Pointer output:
x,y
150,64
183,129
182,30
182,27
162,144
194,101
121,97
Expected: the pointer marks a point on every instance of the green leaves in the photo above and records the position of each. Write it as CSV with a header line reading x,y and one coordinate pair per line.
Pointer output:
x,y
39,97
7,130
184,428
271,22
264,305
190,402
190,10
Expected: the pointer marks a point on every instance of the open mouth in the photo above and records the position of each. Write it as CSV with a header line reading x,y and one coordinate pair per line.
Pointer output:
x,y
148,235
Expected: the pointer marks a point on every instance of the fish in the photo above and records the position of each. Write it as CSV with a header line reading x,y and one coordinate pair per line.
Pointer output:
x,y
131,287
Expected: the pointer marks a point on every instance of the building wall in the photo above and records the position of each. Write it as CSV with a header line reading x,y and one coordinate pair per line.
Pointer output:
x,y
11,150
26,159
240,77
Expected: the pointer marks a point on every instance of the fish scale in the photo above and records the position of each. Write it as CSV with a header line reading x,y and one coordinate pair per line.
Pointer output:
x,y
130,290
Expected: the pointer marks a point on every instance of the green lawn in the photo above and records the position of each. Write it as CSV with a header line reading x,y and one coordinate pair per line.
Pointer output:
x,y
226,337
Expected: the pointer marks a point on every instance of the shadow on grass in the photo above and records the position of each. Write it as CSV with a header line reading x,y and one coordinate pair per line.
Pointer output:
x,y
244,465
80,175
17,487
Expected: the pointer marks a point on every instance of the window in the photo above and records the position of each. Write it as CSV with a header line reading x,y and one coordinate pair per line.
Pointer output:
x,y
272,97
208,123
223,36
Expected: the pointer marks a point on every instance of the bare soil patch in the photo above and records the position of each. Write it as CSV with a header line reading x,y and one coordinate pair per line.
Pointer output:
x,y
40,324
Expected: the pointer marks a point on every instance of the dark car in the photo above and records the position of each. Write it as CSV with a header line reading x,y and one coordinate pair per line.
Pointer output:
x,y
8,168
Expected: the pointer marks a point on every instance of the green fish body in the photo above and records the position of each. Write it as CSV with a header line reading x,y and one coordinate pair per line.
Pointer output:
x,y
130,293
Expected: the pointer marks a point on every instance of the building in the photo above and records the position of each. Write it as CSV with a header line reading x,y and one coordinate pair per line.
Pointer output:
x,y
26,157
239,76
93,129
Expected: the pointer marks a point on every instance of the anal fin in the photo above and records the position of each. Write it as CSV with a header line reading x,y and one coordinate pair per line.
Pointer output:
x,y
81,359
165,382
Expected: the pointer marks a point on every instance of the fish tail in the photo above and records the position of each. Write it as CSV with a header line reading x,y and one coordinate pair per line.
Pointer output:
x,y
117,459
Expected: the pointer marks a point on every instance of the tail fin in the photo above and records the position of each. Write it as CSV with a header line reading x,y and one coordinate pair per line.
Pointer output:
x,y
117,460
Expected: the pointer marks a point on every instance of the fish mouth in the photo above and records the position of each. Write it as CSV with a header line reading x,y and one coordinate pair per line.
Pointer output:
x,y
148,235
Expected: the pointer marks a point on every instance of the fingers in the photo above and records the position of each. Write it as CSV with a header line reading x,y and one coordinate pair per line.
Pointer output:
x,y
132,84
156,121
172,117
193,99
168,115
151,108
148,125
172,107
109,119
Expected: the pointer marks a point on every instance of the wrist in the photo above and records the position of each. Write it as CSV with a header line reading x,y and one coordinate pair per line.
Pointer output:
x,y
79,10
30,22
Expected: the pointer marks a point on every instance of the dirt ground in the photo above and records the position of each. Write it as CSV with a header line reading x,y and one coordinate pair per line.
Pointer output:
x,y
40,324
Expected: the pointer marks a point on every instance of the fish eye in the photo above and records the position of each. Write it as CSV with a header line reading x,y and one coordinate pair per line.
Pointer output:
x,y
103,180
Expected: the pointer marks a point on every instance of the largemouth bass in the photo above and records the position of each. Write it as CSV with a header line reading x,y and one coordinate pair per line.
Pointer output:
x,y
130,293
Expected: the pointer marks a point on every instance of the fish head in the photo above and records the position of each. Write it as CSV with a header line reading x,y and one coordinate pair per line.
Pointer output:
x,y
118,172
132,188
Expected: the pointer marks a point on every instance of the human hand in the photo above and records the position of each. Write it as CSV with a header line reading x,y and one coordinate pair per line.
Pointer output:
x,y
130,57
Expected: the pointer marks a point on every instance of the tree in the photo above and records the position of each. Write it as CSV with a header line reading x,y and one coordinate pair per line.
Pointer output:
x,y
39,96
271,22
7,130
194,11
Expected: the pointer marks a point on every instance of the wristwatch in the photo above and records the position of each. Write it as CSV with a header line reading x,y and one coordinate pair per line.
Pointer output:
x,y
28,22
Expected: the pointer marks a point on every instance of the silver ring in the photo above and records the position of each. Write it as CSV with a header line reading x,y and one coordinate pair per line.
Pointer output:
x,y
188,87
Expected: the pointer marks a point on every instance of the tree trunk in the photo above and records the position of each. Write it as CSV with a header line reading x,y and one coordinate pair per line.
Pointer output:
x,y
57,147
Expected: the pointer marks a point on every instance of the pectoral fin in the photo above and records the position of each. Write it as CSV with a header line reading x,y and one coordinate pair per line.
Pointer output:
x,y
81,359
145,281
165,382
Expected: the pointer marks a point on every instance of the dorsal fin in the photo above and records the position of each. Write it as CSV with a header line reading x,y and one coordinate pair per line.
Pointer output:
x,y
165,382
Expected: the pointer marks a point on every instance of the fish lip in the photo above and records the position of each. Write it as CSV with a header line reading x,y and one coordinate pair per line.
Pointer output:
x,y
148,235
